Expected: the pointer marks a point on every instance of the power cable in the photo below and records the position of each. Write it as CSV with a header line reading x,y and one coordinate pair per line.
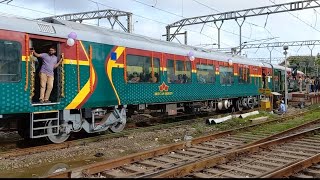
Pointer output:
x,y
298,18
206,6
316,21
185,17
7,1
251,24
244,22
157,20
34,10
25,8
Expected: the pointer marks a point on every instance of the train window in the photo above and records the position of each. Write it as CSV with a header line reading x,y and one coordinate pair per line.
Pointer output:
x,y
142,69
170,71
205,73
179,71
226,75
10,61
244,75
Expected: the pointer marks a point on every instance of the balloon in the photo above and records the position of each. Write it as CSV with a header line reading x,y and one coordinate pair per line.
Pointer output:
x,y
192,58
230,62
190,54
70,42
72,35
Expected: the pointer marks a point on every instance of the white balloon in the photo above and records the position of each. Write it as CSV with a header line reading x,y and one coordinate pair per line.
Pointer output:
x,y
192,58
70,42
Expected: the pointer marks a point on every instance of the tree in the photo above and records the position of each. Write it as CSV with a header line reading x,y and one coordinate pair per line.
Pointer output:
x,y
318,59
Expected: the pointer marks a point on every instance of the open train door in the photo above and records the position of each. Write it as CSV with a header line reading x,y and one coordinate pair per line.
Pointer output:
x,y
42,44
264,77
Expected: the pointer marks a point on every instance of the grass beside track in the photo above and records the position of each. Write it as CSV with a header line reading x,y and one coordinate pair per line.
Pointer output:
x,y
276,128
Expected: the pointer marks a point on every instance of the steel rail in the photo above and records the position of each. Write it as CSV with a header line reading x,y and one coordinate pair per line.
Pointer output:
x,y
228,156
99,167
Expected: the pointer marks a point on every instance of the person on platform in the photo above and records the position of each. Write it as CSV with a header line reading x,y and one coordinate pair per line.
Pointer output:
x,y
300,84
312,84
316,84
308,84
50,62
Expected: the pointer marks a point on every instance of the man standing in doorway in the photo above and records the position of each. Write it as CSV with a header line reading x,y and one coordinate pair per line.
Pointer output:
x,y
50,62
264,79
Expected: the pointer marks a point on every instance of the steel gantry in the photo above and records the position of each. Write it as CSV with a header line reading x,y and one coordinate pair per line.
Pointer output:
x,y
267,60
110,14
238,15
270,46
281,44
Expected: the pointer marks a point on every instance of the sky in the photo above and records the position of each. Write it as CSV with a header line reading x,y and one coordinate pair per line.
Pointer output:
x,y
150,17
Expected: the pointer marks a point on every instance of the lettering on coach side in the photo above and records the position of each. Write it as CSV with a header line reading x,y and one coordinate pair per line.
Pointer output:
x,y
163,90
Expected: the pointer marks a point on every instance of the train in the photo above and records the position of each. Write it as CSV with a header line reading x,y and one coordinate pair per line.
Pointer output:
x,y
108,76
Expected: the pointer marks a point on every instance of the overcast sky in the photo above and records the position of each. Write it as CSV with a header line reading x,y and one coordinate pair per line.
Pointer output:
x,y
151,16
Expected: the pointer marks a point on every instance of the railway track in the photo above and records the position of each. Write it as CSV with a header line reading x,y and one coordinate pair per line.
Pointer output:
x,y
163,159
309,168
26,147
265,160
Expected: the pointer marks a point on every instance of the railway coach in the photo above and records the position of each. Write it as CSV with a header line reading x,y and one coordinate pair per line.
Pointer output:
x,y
107,76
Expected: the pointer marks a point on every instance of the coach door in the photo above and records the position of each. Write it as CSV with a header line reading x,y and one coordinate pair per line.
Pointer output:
x,y
276,81
35,64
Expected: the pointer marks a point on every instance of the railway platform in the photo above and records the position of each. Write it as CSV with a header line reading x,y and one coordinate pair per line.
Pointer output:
x,y
308,99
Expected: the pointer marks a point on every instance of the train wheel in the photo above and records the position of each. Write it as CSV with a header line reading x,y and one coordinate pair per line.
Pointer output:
x,y
118,127
239,105
61,137
250,103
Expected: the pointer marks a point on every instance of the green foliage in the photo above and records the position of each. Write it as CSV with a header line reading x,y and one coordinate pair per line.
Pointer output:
x,y
279,127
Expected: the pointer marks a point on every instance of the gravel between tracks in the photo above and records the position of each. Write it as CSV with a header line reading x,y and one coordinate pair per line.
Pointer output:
x,y
111,148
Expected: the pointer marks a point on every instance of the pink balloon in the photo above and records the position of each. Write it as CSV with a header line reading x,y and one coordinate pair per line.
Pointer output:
x,y
72,35
190,54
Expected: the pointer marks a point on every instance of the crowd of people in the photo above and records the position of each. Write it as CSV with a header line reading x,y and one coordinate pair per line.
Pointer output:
x,y
312,84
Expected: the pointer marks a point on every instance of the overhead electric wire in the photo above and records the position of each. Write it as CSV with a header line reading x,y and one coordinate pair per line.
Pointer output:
x,y
157,20
185,17
299,18
244,22
25,8
251,24
47,13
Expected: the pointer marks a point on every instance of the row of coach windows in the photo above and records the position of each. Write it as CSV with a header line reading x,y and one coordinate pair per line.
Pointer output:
x,y
143,69
206,74
10,61
179,71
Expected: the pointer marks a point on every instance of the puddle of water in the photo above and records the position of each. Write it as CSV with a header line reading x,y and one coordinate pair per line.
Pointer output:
x,y
45,170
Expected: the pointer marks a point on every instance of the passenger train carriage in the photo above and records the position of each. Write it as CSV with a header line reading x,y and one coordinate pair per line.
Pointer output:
x,y
109,75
